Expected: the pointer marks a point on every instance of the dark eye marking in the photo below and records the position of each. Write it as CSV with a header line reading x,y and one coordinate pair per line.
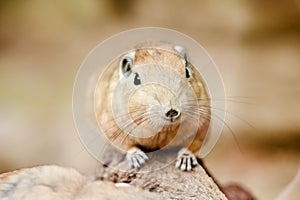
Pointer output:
x,y
137,79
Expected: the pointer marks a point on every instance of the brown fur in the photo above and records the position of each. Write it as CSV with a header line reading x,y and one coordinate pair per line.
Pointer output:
x,y
162,55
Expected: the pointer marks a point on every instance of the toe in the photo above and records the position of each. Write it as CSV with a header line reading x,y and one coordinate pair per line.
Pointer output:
x,y
183,164
186,160
136,158
194,160
189,164
178,163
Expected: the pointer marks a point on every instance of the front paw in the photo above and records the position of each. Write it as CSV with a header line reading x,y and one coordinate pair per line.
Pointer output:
x,y
186,160
136,157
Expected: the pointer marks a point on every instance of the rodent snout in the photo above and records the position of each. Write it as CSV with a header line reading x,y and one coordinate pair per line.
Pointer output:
x,y
172,114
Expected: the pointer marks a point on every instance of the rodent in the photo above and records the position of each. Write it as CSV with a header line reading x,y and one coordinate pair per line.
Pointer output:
x,y
151,98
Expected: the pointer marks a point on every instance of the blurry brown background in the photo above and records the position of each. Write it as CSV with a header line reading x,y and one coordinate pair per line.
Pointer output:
x,y
256,45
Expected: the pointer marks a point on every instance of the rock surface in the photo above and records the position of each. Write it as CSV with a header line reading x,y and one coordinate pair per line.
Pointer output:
x,y
160,176
158,179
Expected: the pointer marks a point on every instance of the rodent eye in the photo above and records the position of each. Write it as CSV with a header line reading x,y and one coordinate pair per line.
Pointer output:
x,y
137,79
187,72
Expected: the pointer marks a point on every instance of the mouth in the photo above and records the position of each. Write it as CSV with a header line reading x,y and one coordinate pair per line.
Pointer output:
x,y
173,120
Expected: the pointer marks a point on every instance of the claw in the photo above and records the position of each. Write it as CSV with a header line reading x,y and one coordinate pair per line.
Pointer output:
x,y
186,160
136,157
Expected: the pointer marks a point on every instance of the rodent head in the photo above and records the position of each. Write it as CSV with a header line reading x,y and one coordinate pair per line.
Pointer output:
x,y
158,89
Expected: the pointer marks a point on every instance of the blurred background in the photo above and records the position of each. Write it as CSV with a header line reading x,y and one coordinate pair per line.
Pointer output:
x,y
256,45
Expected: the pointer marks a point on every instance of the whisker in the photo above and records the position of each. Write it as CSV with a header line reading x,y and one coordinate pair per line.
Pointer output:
x,y
227,112
126,124
113,118
217,100
221,120
127,134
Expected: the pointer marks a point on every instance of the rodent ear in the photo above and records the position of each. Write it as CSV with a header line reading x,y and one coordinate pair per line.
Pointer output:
x,y
126,65
180,50
183,54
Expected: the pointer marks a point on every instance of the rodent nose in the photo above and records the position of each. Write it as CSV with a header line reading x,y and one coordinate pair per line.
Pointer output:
x,y
172,114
